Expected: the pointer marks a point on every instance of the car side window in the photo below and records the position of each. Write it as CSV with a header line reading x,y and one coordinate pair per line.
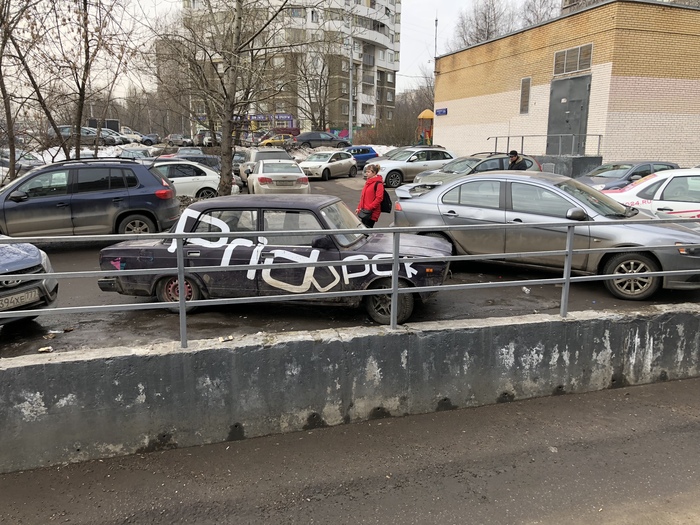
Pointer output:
x,y
488,165
46,184
235,220
649,192
642,171
478,194
289,220
661,167
538,201
678,189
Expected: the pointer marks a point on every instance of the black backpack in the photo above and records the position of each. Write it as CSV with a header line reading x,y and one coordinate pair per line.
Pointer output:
x,y
387,205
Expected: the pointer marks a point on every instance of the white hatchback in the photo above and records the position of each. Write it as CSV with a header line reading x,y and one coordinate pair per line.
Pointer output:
x,y
277,176
327,164
191,179
670,192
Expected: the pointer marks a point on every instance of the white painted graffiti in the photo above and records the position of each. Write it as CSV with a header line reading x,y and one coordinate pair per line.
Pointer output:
x,y
308,281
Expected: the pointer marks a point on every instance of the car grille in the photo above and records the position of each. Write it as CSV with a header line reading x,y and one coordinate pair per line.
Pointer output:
x,y
6,280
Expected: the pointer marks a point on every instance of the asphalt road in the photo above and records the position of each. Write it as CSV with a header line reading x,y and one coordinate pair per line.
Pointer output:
x,y
70,332
626,456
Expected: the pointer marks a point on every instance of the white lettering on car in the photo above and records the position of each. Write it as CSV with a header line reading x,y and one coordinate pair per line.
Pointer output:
x,y
308,280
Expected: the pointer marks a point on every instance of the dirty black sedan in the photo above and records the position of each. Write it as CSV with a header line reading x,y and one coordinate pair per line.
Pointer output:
x,y
267,230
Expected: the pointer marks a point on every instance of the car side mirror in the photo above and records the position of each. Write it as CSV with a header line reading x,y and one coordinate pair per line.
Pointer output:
x,y
323,243
248,171
576,214
19,196
635,177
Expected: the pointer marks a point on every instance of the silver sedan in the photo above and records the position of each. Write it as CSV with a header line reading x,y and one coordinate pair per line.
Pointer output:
x,y
500,198
327,164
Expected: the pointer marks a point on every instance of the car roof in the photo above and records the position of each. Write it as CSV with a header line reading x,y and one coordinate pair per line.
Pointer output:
x,y
280,201
510,175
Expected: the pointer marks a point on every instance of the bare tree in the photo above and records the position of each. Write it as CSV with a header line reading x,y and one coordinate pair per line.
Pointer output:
x,y
63,46
487,19
538,11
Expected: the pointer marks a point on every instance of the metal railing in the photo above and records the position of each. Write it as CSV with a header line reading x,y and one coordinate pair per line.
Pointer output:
x,y
576,144
566,279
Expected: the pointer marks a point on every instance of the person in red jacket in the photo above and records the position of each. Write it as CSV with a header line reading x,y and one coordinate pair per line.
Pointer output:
x,y
370,207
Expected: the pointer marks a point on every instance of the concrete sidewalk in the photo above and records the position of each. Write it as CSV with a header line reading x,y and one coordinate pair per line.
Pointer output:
x,y
623,456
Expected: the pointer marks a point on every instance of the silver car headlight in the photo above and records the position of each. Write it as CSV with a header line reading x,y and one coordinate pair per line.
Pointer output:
x,y
45,262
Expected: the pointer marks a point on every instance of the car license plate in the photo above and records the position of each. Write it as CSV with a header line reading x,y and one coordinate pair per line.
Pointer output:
x,y
284,183
14,301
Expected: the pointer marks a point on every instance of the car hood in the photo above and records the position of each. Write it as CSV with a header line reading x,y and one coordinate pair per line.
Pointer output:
x,y
18,256
597,181
411,245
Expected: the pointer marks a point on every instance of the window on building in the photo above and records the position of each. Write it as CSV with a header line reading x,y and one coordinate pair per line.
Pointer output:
x,y
344,88
296,12
382,54
525,96
389,115
345,109
345,65
573,60
314,16
389,77
391,57
389,96
391,37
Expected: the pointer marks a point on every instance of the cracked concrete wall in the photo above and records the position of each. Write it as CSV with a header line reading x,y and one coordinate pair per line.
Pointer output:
x,y
74,406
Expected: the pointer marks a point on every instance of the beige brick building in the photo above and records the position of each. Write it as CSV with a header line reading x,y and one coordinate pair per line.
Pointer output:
x,y
625,70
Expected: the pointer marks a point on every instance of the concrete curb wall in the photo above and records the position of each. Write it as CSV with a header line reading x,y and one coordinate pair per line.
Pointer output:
x,y
74,406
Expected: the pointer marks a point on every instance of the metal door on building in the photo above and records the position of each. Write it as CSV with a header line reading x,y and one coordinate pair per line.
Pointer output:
x,y
568,116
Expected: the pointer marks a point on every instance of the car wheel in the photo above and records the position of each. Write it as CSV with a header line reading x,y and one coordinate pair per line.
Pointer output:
x,y
168,291
379,306
353,171
441,237
148,143
305,145
632,288
393,179
171,144
325,175
137,224
206,193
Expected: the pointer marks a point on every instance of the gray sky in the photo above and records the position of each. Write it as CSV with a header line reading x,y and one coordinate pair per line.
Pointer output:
x,y
418,35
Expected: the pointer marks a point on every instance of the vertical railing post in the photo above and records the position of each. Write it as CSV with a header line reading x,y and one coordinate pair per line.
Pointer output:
x,y
396,250
181,287
563,309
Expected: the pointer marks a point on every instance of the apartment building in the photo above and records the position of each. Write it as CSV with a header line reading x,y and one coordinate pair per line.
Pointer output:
x,y
327,63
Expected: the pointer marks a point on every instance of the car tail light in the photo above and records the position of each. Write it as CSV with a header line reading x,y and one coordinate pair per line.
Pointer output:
x,y
303,180
264,180
166,194
397,206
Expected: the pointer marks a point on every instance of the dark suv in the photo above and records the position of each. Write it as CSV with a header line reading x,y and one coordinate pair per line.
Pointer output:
x,y
88,197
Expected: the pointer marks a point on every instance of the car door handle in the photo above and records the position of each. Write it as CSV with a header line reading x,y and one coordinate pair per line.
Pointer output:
x,y
451,213
117,199
196,253
516,220
665,209
61,205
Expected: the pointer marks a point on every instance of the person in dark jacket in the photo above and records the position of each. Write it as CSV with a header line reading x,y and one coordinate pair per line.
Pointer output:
x,y
516,161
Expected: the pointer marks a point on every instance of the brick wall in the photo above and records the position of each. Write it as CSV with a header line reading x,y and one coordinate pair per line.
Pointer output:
x,y
644,97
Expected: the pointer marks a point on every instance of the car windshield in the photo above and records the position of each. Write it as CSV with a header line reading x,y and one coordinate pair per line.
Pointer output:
x,y
460,165
135,153
600,202
610,171
239,157
340,217
403,155
320,157
281,167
